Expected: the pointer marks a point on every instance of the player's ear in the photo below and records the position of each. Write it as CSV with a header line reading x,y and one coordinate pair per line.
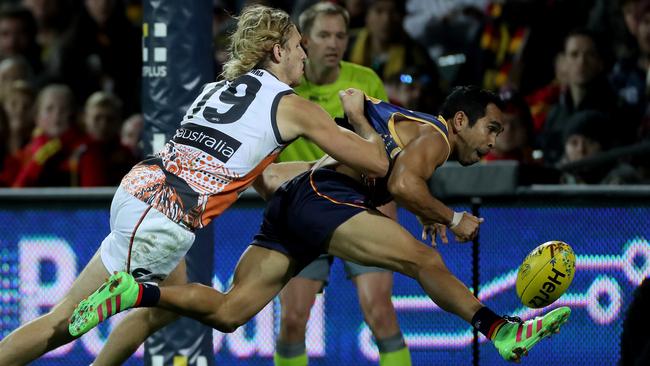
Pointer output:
x,y
460,121
277,52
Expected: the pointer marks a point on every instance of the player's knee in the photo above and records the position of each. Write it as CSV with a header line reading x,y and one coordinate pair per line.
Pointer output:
x,y
294,321
227,321
380,315
227,326
224,322
230,324
422,258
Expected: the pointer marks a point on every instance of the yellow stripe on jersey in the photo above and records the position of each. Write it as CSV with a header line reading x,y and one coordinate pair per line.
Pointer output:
x,y
373,99
391,127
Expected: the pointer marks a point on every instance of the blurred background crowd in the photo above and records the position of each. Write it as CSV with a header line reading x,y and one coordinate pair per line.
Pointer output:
x,y
574,75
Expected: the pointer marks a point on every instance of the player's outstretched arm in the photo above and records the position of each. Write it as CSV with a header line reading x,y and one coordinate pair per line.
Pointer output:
x,y
408,183
300,117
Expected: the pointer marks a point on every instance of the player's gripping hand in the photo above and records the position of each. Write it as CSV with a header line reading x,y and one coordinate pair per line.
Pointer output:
x,y
467,228
352,102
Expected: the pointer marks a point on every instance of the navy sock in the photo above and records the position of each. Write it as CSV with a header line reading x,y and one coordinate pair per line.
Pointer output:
x,y
148,296
487,322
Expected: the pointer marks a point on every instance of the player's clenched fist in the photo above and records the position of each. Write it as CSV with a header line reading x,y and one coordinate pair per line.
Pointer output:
x,y
352,102
467,228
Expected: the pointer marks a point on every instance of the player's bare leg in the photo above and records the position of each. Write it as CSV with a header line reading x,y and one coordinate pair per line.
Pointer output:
x,y
260,275
372,239
297,298
139,324
50,331
375,290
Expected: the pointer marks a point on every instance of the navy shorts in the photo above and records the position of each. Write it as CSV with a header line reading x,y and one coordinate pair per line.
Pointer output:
x,y
304,212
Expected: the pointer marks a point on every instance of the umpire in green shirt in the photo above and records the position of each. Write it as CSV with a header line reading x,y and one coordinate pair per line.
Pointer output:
x,y
324,28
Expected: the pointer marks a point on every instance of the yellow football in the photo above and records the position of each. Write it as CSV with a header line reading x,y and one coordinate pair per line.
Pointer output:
x,y
545,274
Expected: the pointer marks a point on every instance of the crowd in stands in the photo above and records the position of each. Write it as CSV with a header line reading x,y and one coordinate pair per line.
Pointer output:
x,y
69,75
574,75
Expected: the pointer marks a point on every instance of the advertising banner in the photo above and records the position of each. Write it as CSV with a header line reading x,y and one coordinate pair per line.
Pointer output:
x,y
39,262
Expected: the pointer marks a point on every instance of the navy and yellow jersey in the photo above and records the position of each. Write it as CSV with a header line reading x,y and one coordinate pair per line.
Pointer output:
x,y
382,117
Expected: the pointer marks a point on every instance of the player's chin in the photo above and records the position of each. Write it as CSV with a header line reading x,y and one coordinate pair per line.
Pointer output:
x,y
478,155
470,161
294,83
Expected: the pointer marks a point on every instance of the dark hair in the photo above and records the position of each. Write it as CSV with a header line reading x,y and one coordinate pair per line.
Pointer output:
x,y
591,124
471,100
400,5
584,32
22,14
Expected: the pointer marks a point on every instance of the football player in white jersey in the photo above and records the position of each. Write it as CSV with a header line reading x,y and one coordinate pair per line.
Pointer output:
x,y
199,174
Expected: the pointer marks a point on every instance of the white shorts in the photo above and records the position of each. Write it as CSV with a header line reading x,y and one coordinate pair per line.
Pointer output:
x,y
143,241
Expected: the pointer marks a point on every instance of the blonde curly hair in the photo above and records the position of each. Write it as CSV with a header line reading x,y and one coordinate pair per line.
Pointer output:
x,y
259,28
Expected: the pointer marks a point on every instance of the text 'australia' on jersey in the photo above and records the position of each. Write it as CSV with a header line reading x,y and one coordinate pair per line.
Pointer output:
x,y
227,137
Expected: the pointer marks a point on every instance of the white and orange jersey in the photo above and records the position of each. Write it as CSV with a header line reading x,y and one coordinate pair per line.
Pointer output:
x,y
226,139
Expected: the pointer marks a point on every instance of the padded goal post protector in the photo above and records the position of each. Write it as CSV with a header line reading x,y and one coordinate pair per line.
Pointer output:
x,y
177,60
496,178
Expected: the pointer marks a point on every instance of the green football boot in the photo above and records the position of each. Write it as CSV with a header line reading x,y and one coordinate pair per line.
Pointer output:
x,y
120,292
515,338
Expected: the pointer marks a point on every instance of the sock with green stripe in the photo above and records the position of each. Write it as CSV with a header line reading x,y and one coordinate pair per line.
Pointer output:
x,y
393,351
487,322
148,296
290,354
